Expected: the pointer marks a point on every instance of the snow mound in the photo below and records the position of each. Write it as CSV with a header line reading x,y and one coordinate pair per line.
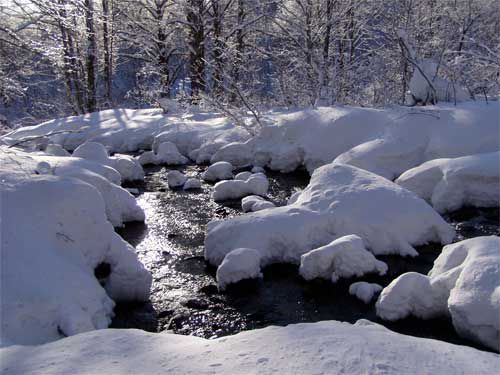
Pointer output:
x,y
47,281
255,203
237,265
243,176
327,347
56,150
192,183
221,170
364,291
464,283
236,153
127,166
339,200
256,184
343,258
449,184
175,179
166,153
258,170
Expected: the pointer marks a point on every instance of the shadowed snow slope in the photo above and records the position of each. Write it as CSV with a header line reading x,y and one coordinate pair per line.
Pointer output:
x,y
449,184
339,200
316,348
464,282
54,234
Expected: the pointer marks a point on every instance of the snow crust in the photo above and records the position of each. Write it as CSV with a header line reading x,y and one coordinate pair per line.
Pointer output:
x,y
364,291
221,170
343,258
255,203
54,234
327,347
463,283
166,153
256,184
339,200
449,184
238,265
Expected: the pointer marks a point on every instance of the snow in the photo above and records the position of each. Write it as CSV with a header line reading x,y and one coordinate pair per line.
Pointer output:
x,y
343,258
327,347
243,176
221,170
339,200
192,183
56,150
166,153
463,283
449,184
127,166
256,184
238,265
175,179
364,291
236,153
255,203
56,234
258,170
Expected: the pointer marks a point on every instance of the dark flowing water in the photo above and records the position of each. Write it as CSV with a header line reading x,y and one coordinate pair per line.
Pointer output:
x,y
184,295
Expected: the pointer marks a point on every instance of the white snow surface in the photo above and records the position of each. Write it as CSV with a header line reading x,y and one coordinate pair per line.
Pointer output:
x,y
221,170
339,200
236,153
256,184
364,291
56,150
175,179
327,347
54,233
166,153
255,203
238,265
127,166
449,184
344,257
463,283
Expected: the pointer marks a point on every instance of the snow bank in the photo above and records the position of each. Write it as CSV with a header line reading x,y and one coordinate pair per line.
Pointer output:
x,y
449,184
54,234
221,170
166,153
339,200
343,258
256,184
238,265
315,348
236,153
255,203
364,291
464,283
175,179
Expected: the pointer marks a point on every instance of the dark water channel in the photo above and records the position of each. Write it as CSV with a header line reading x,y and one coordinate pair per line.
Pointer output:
x,y
184,295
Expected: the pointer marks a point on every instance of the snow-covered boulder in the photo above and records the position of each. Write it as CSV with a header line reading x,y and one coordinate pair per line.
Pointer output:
x,y
364,291
166,153
254,203
256,184
238,154
56,150
127,166
339,200
449,184
243,176
175,179
237,265
192,183
54,235
464,283
343,258
257,169
221,170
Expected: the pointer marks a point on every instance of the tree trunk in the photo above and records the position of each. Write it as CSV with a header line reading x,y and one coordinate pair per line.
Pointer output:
x,y
106,40
196,48
90,56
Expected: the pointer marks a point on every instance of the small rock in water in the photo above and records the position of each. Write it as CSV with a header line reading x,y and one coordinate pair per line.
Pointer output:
x,y
175,179
195,303
192,183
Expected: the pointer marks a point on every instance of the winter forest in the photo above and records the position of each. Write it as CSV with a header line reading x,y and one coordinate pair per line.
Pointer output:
x,y
246,187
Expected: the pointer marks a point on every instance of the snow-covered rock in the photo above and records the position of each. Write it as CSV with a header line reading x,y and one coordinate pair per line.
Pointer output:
x,y
243,176
449,184
256,184
464,283
56,150
258,170
238,154
238,265
221,170
343,258
127,166
175,179
364,291
166,153
339,200
55,233
326,347
192,183
254,203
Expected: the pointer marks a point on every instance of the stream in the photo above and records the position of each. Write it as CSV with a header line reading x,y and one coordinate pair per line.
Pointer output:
x,y
184,295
